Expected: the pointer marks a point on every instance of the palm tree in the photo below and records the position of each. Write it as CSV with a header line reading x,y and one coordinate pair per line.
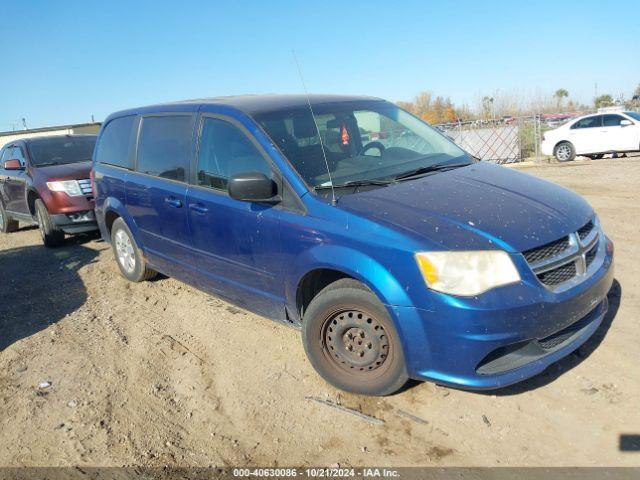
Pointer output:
x,y
559,95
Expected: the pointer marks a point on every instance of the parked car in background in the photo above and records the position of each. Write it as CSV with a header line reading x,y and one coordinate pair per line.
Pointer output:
x,y
395,258
593,136
45,180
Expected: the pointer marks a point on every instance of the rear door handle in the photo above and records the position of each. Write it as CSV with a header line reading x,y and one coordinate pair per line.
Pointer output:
x,y
173,202
198,208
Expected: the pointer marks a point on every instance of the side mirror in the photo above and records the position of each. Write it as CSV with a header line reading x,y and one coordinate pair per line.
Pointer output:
x,y
13,165
625,123
253,187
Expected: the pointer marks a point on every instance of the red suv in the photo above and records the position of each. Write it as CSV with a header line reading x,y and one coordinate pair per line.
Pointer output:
x,y
46,180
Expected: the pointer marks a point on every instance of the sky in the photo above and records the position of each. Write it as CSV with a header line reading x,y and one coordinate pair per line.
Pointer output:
x,y
65,61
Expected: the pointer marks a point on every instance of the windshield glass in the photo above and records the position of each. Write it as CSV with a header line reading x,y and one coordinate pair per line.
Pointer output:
x,y
634,115
362,140
58,151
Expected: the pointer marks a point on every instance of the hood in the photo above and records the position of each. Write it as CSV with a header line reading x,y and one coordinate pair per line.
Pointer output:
x,y
70,171
481,206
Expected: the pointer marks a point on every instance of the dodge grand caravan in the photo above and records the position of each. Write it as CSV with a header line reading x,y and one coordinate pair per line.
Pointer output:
x,y
396,253
45,180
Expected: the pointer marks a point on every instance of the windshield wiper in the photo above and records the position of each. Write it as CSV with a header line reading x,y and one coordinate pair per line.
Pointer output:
x,y
355,183
438,167
46,164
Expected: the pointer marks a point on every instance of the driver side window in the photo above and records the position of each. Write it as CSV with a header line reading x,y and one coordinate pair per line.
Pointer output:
x,y
225,151
17,154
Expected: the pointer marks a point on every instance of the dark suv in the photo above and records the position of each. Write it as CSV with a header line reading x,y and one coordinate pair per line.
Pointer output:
x,y
45,180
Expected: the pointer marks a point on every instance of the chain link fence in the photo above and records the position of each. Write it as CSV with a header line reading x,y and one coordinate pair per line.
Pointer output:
x,y
508,140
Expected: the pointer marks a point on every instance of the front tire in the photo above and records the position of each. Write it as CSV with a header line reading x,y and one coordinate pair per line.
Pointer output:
x,y
351,341
564,152
128,256
7,224
51,235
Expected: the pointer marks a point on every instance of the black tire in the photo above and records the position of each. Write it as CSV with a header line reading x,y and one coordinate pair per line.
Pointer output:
x,y
351,341
138,270
564,152
7,224
597,156
51,235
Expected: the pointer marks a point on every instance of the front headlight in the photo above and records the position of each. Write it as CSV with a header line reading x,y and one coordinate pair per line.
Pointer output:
x,y
466,273
70,187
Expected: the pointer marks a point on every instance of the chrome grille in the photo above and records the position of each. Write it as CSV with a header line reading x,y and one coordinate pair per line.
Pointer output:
x,y
546,251
560,263
558,275
584,231
85,186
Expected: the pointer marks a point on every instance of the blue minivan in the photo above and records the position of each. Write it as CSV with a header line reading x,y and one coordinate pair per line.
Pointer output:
x,y
395,252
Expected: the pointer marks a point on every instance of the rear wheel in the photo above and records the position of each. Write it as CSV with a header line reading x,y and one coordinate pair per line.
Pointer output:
x,y
596,157
351,341
564,152
7,224
51,235
128,256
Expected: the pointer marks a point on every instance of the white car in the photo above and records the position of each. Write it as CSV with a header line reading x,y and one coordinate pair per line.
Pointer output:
x,y
593,136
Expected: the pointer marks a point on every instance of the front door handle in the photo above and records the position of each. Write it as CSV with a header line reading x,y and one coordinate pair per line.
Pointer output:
x,y
198,208
173,202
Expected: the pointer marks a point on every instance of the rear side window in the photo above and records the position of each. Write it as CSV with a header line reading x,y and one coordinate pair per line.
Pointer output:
x,y
224,151
113,146
589,122
612,120
164,146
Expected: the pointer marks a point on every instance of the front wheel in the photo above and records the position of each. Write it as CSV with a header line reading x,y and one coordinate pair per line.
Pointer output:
x,y
7,224
351,341
564,152
51,235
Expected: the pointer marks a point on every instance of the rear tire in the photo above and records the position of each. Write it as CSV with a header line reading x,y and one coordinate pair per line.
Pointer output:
x,y
128,256
596,157
7,224
351,341
564,152
51,235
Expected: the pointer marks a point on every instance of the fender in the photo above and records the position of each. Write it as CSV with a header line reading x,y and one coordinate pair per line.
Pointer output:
x,y
112,204
351,262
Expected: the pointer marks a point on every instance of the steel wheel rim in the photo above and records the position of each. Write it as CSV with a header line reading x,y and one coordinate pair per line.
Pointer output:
x,y
563,152
355,341
125,252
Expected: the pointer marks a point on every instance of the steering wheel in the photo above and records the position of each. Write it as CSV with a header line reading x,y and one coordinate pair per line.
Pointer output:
x,y
374,144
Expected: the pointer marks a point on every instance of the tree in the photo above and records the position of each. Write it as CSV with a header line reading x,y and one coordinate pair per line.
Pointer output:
x,y
559,95
487,106
635,101
605,100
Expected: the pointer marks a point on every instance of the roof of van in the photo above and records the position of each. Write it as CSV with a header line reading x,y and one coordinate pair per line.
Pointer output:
x,y
254,104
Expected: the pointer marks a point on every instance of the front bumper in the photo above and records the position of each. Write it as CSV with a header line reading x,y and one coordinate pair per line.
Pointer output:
x,y
76,222
504,336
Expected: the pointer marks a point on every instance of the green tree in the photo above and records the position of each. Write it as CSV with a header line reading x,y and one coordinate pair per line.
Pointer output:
x,y
559,95
605,100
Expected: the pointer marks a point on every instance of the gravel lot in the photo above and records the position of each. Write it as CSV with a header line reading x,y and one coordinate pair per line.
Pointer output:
x,y
97,371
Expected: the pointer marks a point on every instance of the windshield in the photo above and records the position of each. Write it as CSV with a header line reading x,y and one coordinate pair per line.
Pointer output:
x,y
634,115
58,151
363,141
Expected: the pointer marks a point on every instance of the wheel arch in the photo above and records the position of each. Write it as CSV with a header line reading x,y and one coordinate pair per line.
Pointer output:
x,y
110,210
32,196
322,265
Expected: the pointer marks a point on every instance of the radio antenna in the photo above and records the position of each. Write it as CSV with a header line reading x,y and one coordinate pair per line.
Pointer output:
x,y
334,201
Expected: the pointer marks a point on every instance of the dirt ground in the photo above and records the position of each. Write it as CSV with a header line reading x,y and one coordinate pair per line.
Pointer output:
x,y
158,373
